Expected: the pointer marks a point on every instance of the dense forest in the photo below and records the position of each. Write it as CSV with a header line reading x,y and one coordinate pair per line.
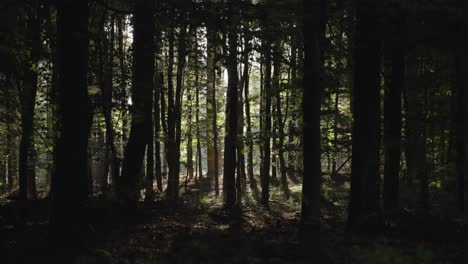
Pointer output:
x,y
233,131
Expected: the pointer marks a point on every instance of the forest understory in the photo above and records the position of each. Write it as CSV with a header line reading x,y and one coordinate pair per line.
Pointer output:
x,y
234,131
199,230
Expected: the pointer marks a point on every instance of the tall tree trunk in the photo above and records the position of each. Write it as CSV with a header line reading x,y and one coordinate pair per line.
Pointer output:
x,y
250,163
157,127
292,128
181,61
172,190
142,98
189,136
231,197
69,188
28,101
279,120
197,120
311,94
364,205
211,100
174,113
335,131
261,116
198,158
211,107
266,130
274,140
149,192
215,137
393,117
241,176
164,122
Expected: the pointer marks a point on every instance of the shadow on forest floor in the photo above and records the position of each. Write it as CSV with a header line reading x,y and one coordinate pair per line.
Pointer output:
x,y
200,231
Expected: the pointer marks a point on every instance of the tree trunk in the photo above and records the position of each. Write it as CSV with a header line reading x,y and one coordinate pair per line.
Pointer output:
x,y
181,61
28,102
393,117
142,98
174,113
157,127
69,188
197,120
241,175
250,163
190,136
364,205
311,94
292,128
266,130
149,194
231,195
215,138
211,100
279,120
172,190
211,107
164,122
274,139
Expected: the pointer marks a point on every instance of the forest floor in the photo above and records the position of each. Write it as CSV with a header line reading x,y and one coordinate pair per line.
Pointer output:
x,y
200,231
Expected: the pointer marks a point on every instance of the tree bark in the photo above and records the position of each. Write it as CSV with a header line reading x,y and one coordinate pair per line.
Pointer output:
x,y
142,88
28,101
279,120
311,94
230,193
197,120
189,135
266,130
393,117
69,188
211,100
149,194
157,128
250,163
364,205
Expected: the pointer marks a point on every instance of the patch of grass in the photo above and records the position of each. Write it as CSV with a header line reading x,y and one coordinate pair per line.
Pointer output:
x,y
384,254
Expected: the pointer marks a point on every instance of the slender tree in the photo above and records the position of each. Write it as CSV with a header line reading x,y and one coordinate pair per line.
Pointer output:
x,y
157,128
266,130
230,141
279,120
248,119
